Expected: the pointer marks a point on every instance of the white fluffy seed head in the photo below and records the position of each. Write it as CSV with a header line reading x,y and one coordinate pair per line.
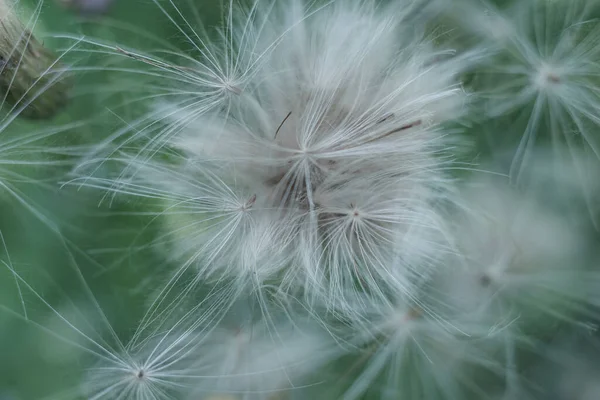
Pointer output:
x,y
324,161
410,350
541,75
519,260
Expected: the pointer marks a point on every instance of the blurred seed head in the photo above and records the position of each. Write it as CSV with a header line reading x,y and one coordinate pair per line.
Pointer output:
x,y
31,79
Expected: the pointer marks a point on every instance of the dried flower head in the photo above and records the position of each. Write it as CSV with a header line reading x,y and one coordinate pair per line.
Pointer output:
x,y
31,78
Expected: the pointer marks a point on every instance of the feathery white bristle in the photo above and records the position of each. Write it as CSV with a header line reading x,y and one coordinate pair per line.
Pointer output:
x,y
518,259
333,138
544,76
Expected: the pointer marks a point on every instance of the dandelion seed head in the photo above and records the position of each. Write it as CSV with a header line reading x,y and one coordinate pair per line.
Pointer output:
x,y
403,343
155,364
547,78
324,168
543,76
520,259
335,139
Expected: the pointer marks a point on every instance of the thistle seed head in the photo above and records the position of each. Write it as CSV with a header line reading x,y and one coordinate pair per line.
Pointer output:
x,y
311,151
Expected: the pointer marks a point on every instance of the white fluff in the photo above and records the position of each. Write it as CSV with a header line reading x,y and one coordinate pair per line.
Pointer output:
x,y
322,147
542,74
520,259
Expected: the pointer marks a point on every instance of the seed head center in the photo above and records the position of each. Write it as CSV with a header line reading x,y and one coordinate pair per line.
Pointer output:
x,y
547,77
